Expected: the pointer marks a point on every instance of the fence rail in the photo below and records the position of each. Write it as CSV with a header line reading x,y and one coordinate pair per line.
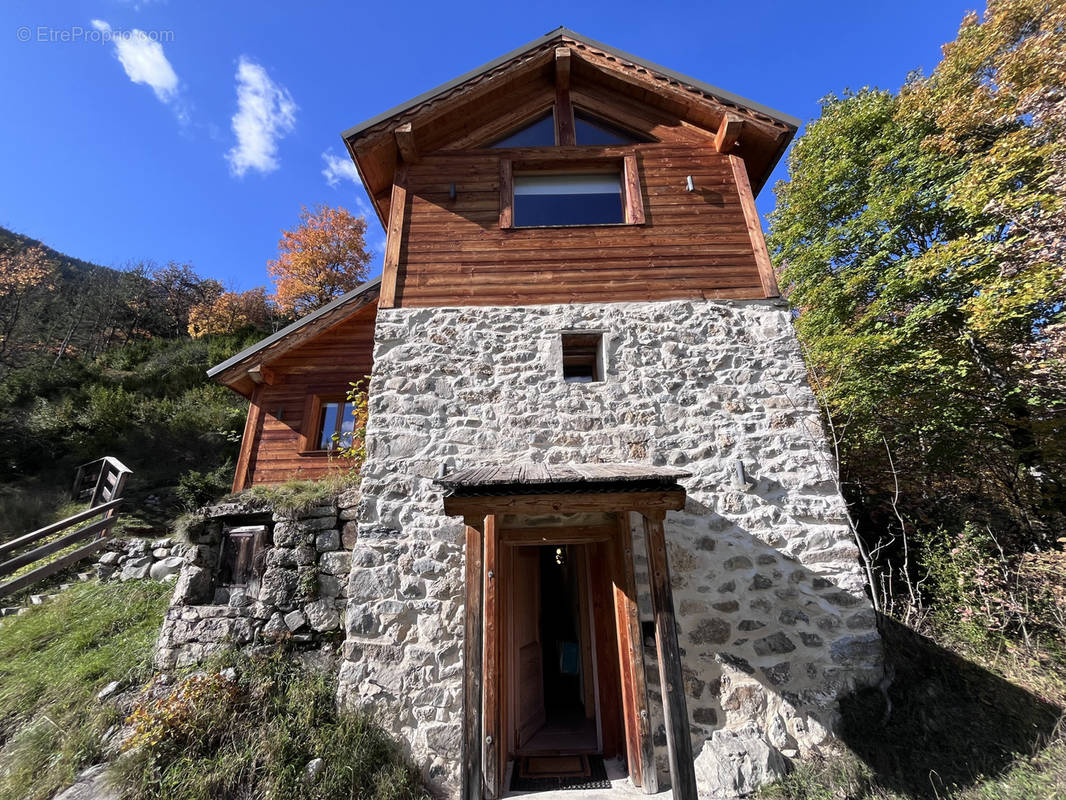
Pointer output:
x,y
101,484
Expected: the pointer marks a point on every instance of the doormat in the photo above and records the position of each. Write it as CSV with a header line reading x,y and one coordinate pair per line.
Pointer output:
x,y
545,773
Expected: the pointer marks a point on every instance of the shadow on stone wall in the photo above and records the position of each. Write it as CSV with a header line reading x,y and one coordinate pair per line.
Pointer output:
x,y
951,722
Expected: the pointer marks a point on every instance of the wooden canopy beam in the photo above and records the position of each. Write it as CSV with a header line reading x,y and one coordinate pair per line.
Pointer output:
x,y
671,678
728,133
405,143
472,506
565,128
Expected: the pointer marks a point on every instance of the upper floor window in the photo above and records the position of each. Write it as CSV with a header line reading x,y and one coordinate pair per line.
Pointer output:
x,y
591,131
539,133
568,198
587,130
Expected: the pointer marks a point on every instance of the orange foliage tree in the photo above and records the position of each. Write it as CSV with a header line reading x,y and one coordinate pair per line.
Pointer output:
x,y
21,273
319,260
228,312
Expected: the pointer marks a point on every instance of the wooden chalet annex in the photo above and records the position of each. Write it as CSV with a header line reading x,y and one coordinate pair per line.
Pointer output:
x,y
582,387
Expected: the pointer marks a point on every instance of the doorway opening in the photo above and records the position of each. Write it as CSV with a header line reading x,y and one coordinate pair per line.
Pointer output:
x,y
563,695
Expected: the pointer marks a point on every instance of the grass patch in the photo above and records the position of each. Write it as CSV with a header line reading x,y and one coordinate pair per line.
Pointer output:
x,y
295,495
209,737
53,661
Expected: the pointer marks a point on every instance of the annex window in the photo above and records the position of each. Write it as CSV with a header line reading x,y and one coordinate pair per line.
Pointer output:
x,y
243,555
582,357
336,425
568,198
539,133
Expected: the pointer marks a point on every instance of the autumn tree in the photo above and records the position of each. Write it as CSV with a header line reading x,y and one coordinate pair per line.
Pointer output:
x,y
228,312
921,238
319,260
23,272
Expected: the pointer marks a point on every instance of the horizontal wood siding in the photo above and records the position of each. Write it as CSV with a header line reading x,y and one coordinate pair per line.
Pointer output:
x,y
324,365
692,245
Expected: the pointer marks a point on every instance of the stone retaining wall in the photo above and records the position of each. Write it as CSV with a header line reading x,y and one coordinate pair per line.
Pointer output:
x,y
299,594
132,559
774,622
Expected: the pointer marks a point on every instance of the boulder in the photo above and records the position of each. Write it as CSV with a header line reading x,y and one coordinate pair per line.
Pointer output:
x,y
735,763
165,566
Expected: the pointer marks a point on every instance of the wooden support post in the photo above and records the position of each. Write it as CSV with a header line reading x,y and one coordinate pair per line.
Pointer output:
x,y
639,747
397,211
472,666
675,708
490,704
242,476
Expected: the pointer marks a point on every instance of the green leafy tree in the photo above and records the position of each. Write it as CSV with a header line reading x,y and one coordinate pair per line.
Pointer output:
x,y
920,238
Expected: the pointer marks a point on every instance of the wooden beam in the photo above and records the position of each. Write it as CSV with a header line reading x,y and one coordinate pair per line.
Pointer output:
x,y
565,130
671,678
583,534
52,567
634,199
664,500
506,194
405,143
397,212
490,704
639,746
472,666
562,67
242,475
29,538
261,373
754,226
728,133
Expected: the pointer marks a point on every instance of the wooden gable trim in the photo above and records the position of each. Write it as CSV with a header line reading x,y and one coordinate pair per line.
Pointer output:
x,y
754,225
397,212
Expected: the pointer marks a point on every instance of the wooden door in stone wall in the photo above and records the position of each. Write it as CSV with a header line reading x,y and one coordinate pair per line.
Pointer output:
x,y
529,683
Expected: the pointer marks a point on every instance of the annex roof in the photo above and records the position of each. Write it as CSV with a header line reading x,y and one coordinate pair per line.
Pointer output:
x,y
234,370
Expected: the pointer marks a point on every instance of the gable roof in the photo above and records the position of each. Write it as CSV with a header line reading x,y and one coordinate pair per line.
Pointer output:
x,y
234,371
376,156
560,33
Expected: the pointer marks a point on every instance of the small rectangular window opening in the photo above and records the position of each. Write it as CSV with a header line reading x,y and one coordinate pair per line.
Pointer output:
x,y
243,555
582,362
336,424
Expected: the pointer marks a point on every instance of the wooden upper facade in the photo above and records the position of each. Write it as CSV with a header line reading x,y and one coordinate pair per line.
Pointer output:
x,y
444,189
686,160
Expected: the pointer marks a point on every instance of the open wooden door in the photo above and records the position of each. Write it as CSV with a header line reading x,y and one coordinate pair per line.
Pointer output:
x,y
529,689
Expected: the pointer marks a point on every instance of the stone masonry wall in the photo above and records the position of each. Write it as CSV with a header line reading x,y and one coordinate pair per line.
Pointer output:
x,y
774,623
300,593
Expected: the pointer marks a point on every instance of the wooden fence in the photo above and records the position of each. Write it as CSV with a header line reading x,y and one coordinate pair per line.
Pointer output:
x,y
100,483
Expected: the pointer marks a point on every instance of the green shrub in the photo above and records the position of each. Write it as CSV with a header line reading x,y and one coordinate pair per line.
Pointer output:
x,y
196,488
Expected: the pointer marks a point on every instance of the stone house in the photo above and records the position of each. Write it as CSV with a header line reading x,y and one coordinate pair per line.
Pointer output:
x,y
598,516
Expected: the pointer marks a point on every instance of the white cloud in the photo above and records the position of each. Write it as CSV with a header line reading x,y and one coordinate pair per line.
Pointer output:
x,y
144,61
339,168
265,113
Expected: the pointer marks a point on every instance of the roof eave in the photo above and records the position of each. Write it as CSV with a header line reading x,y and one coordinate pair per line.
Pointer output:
x,y
248,353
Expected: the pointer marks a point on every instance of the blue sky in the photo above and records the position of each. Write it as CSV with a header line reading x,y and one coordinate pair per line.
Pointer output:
x,y
200,141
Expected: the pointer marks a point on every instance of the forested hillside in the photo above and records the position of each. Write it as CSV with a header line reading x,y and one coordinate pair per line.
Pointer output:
x,y
99,361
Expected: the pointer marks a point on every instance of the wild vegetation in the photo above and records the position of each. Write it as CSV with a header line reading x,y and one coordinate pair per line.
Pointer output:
x,y
921,239
53,661
254,732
